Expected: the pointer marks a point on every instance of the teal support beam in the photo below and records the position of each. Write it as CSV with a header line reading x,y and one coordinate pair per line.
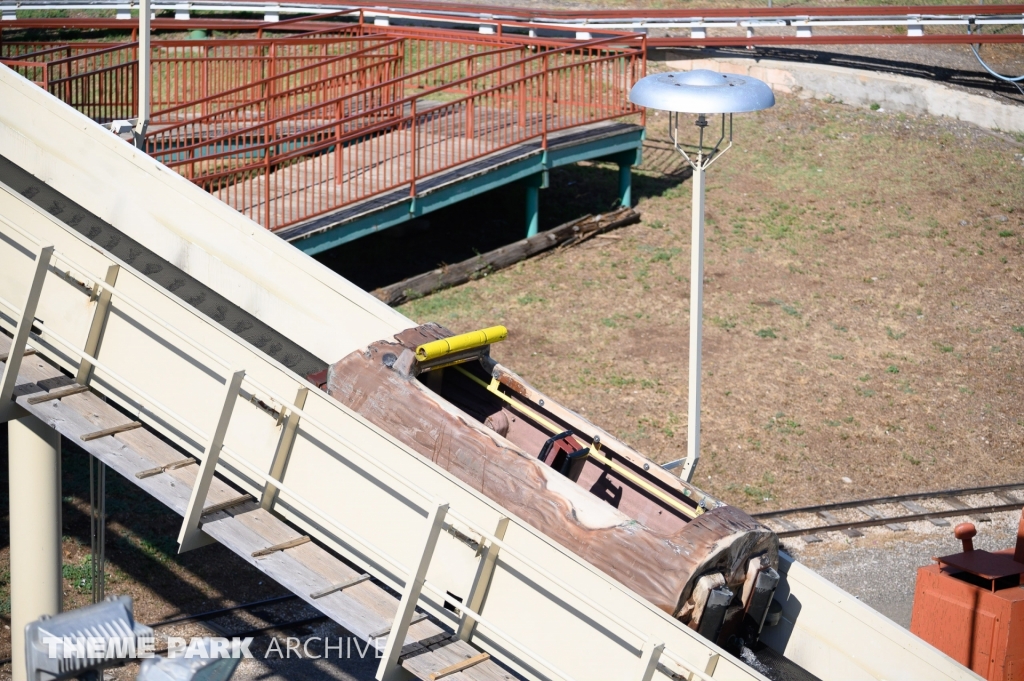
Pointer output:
x,y
332,230
534,184
532,210
625,185
625,160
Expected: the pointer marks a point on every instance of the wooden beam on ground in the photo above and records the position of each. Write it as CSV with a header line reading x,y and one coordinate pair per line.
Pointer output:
x,y
564,235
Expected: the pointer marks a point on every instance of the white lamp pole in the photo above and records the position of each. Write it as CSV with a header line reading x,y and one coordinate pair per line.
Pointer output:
x,y
145,75
699,92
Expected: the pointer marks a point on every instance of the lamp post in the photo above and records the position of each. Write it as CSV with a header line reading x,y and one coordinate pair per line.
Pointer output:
x,y
706,94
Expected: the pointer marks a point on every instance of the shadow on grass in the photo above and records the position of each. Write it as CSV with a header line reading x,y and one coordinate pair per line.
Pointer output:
x,y
483,223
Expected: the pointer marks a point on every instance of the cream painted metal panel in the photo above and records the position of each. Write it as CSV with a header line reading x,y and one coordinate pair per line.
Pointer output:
x,y
338,471
334,477
179,221
833,635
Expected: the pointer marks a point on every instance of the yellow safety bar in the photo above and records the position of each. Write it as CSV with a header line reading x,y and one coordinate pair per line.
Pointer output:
x,y
461,342
595,449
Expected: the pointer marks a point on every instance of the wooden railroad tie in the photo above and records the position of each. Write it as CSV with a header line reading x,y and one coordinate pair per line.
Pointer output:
x,y
915,507
384,632
957,503
4,356
150,472
459,666
832,520
224,505
57,394
339,587
281,547
790,527
114,430
875,514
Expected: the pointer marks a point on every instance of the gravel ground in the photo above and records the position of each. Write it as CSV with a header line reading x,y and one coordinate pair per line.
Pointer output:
x,y
880,568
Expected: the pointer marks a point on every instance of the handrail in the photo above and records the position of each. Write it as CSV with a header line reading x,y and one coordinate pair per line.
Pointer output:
x,y
327,102
391,104
365,456
257,83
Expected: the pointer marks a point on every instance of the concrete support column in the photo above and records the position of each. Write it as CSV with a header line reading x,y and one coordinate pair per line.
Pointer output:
x,y
35,494
626,184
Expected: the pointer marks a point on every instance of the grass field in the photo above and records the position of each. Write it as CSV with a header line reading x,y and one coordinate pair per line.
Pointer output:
x,y
863,307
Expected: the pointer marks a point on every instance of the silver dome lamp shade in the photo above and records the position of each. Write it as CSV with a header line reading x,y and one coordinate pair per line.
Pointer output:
x,y
704,93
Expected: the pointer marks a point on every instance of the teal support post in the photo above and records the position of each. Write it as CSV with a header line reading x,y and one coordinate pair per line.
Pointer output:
x,y
532,210
626,184
625,160
534,184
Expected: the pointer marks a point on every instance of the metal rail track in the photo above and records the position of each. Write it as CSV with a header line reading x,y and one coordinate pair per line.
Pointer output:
x,y
882,519
801,20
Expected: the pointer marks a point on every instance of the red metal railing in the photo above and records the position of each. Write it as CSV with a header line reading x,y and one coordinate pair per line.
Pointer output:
x,y
225,138
288,129
339,162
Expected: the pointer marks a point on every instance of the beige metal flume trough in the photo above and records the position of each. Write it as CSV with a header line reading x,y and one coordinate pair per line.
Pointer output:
x,y
315,467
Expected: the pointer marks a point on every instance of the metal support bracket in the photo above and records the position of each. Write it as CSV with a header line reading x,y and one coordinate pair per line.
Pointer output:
x,y
649,656
484,572
389,669
284,448
28,315
99,320
191,537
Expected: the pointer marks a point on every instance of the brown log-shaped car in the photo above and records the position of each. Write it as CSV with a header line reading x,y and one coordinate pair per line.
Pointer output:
x,y
610,505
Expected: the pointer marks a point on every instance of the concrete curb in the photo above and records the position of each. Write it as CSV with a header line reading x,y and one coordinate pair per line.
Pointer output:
x,y
863,88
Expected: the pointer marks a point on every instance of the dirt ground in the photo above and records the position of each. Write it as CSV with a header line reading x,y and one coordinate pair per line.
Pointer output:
x,y
863,315
863,334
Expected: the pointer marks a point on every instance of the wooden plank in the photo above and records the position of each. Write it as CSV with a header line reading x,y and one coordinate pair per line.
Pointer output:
x,y
58,394
5,355
459,666
113,430
915,507
419,617
281,547
833,520
1008,498
875,514
790,527
225,505
361,609
563,235
150,472
958,503
339,587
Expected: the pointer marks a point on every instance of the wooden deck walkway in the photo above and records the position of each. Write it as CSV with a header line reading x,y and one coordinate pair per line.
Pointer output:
x,y
564,142
361,173
364,609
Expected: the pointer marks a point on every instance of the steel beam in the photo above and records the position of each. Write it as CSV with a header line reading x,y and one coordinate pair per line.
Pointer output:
x,y
389,670
475,600
191,537
21,332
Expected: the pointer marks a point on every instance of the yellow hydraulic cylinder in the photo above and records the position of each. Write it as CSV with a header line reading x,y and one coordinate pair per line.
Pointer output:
x,y
461,343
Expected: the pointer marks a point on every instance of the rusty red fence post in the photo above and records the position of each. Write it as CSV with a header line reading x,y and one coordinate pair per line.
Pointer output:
x,y
546,97
415,154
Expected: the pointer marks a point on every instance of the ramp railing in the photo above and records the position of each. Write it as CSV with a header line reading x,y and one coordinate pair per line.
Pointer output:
x,y
435,129
154,357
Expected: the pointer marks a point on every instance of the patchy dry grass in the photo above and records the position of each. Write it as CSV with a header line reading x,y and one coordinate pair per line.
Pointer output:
x,y
863,313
